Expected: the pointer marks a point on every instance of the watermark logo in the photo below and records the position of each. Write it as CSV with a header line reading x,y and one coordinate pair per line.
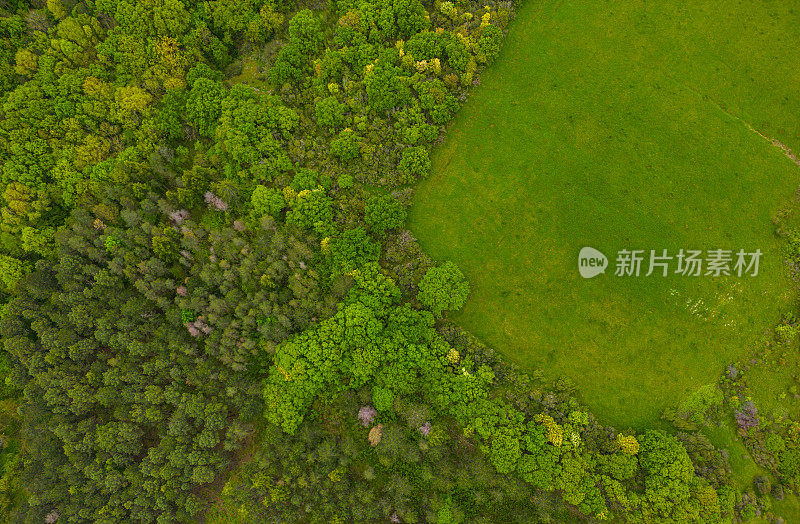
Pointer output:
x,y
591,262
686,262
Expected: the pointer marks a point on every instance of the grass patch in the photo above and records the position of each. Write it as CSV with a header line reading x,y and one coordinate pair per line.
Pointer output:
x,y
621,126
773,388
788,508
743,466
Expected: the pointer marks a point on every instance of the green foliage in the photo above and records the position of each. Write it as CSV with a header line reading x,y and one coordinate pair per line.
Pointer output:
x,y
346,145
11,272
267,201
171,114
387,87
352,249
305,38
330,112
203,107
669,473
154,314
489,43
704,403
384,212
243,20
426,45
774,443
311,209
437,102
443,288
252,128
790,465
202,70
383,398
305,179
188,316
305,30
415,164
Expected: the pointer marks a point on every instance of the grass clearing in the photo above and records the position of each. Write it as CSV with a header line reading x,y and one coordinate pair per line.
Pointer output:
x,y
621,127
742,464
774,384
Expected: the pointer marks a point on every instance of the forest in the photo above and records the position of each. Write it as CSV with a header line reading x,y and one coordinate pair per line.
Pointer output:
x,y
212,309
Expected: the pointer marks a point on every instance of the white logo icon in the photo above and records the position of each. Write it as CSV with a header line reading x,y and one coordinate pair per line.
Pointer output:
x,y
591,262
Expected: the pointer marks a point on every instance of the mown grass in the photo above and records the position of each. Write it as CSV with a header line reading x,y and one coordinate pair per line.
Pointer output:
x,y
621,125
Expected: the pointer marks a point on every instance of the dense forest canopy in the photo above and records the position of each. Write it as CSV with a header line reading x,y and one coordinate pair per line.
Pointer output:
x,y
209,299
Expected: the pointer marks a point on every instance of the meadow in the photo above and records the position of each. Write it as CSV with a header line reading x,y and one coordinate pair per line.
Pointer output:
x,y
634,126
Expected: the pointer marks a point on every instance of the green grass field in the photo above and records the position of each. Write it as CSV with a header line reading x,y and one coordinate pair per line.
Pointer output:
x,y
621,126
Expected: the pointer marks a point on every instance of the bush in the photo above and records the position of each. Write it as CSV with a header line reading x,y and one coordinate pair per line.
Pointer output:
x,y
775,443
701,405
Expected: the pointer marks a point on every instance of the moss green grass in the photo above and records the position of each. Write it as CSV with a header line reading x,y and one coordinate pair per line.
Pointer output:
x,y
621,125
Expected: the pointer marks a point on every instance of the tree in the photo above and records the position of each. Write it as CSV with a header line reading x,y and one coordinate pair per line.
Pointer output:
x,y
489,43
387,86
382,398
239,18
436,101
330,112
305,31
290,66
311,209
384,212
132,98
171,113
414,164
669,474
353,249
203,107
267,200
426,45
305,179
411,17
443,288
252,128
628,444
11,272
346,145
305,39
